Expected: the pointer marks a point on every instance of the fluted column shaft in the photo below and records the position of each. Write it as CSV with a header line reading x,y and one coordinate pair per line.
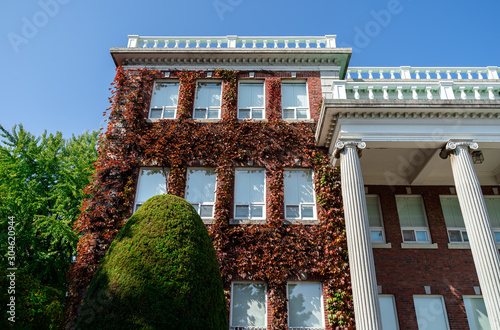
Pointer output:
x,y
363,278
478,226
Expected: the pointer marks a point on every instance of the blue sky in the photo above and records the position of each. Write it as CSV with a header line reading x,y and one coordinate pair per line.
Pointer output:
x,y
56,75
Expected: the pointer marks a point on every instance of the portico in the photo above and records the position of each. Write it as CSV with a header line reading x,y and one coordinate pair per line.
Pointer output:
x,y
401,140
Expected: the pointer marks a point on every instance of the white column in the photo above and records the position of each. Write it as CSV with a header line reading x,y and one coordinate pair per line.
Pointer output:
x,y
478,226
364,282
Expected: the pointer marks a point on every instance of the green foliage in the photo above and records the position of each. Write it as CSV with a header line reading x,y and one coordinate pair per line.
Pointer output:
x,y
41,187
38,306
160,272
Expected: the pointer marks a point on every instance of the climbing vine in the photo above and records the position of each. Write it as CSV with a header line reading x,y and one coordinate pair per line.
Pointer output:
x,y
274,252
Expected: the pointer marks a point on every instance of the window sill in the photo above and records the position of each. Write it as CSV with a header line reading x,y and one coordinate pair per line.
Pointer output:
x,y
252,120
299,120
382,245
419,246
155,120
208,221
207,120
246,221
463,246
301,222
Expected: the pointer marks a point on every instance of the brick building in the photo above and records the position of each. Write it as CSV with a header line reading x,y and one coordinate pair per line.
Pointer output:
x,y
243,128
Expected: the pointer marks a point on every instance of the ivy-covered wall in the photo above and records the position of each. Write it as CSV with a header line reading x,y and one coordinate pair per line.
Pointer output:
x,y
274,252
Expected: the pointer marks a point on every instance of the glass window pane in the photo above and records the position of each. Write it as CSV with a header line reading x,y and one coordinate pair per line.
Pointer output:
x,y
244,114
373,206
411,212
493,207
292,212
304,305
451,211
152,182
199,113
301,114
155,113
377,236
213,114
388,312
422,236
497,236
466,238
200,187
257,114
249,186
165,94
455,236
476,314
206,211
251,95
242,211
431,314
288,113
208,95
298,187
169,114
256,211
248,305
307,212
294,95
408,236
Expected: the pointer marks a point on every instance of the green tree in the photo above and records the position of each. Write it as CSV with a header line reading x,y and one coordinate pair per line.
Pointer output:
x,y
41,187
160,272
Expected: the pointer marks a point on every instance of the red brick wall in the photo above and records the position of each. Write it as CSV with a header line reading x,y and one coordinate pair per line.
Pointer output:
x,y
405,272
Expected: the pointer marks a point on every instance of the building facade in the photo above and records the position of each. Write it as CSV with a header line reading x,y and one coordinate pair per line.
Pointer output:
x,y
335,196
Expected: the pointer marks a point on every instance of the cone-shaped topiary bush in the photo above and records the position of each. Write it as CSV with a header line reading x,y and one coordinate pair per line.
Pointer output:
x,y
161,272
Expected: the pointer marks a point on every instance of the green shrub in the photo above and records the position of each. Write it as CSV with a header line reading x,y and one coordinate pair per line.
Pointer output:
x,y
161,272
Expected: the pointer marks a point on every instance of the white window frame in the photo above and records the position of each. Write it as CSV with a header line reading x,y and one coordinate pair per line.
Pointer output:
x,y
198,206
461,230
321,300
263,204
231,326
166,174
308,112
378,229
208,108
471,323
163,108
315,214
442,304
263,108
394,307
416,229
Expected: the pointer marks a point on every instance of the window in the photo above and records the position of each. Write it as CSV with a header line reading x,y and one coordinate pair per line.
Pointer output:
x,y
388,312
375,219
431,313
299,195
164,100
412,219
251,101
207,101
476,313
493,207
453,219
294,100
249,195
152,182
305,305
200,191
248,305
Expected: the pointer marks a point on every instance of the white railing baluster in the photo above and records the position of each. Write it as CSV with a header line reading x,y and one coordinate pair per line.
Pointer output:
x,y
187,44
414,93
296,43
448,75
286,43
370,76
491,96
480,74
348,74
438,74
307,44
459,74
469,75
417,74
275,43
359,74
176,44
370,93
428,89
392,74
356,92
477,95
209,43
197,44
254,45
400,92
463,96
427,74
385,93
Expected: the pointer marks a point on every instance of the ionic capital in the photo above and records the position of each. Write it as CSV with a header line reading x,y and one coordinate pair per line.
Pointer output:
x,y
451,146
342,144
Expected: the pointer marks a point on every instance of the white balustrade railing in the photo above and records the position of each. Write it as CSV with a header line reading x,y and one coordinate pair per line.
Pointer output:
x,y
421,73
232,41
406,90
